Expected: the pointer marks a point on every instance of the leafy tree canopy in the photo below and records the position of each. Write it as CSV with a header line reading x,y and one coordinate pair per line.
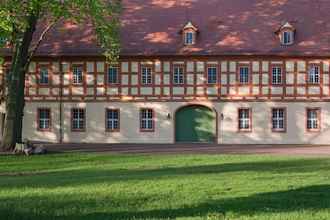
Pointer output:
x,y
104,15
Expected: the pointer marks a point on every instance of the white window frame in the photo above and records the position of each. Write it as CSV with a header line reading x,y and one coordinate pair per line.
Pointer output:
x,y
189,38
314,74
80,120
212,75
146,119
77,74
146,75
44,123
313,119
112,122
287,37
244,119
178,75
44,76
244,75
277,75
279,119
113,79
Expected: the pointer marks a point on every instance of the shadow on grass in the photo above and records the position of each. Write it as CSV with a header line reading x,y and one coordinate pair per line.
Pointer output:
x,y
60,178
313,198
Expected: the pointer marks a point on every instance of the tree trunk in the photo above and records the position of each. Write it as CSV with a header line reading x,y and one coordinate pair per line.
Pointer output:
x,y
16,87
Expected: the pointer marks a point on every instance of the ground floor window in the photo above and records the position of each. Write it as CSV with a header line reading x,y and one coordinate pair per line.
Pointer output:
x,y
78,118
44,119
244,119
278,119
112,120
146,120
313,119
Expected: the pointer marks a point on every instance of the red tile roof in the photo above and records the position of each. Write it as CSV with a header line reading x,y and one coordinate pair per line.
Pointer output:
x,y
226,27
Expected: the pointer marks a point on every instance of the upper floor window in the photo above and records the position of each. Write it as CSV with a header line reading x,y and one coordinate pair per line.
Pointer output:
x,y
189,38
287,37
44,76
178,75
44,119
3,40
77,75
212,75
146,120
78,119
287,34
276,75
244,119
112,119
189,34
113,77
314,74
313,119
278,119
146,76
244,75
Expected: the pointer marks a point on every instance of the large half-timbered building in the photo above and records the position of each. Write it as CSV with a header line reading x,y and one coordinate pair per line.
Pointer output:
x,y
220,71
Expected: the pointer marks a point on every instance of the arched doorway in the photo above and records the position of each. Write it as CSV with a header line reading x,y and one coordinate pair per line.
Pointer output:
x,y
195,124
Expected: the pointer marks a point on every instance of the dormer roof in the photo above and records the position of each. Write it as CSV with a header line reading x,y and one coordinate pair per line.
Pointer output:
x,y
287,25
190,25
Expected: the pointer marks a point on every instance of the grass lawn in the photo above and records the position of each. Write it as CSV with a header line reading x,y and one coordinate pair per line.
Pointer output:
x,y
96,186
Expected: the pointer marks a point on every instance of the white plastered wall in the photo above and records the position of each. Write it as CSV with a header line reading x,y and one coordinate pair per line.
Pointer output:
x,y
164,127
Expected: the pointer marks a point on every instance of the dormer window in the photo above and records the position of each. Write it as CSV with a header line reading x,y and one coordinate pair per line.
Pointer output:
x,y
189,33
189,38
286,34
287,37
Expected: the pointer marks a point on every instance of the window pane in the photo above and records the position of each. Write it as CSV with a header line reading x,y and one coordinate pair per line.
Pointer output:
x,y
189,38
43,76
44,118
77,75
244,75
113,75
212,75
146,120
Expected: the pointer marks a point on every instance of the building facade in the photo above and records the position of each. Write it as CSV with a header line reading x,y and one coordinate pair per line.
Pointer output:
x,y
247,78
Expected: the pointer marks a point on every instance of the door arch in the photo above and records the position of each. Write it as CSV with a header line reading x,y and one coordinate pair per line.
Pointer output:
x,y
195,124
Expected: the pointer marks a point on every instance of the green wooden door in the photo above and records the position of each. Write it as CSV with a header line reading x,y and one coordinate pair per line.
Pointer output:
x,y
195,124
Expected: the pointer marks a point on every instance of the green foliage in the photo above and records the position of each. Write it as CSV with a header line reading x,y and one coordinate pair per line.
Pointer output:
x,y
198,187
104,15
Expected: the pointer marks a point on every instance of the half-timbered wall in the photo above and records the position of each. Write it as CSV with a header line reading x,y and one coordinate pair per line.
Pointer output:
x,y
195,87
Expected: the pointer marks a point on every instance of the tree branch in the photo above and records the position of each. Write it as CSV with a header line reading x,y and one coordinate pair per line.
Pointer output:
x,y
41,38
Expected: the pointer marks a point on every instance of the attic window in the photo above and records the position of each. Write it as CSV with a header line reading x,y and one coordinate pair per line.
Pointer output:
x,y
189,38
287,37
189,33
286,34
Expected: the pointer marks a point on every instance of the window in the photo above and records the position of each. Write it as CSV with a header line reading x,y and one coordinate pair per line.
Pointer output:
x,y
78,119
146,120
113,75
44,77
44,119
112,119
146,76
278,119
3,40
178,75
189,38
277,75
287,37
314,74
313,119
212,75
77,75
244,119
244,75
